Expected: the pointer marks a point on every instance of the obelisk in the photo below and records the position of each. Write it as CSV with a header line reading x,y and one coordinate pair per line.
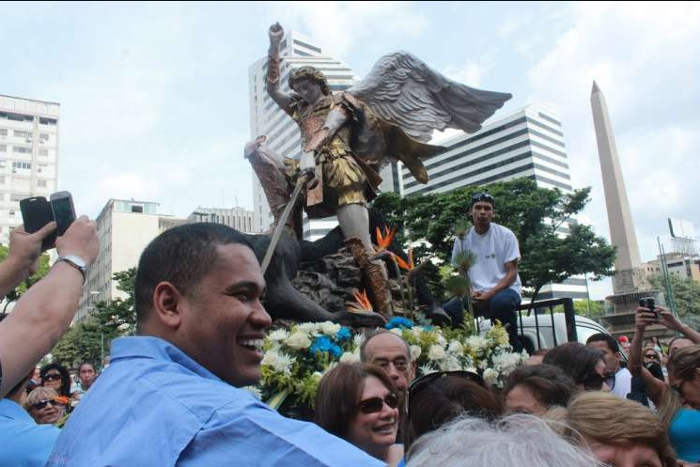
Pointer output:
x,y
621,227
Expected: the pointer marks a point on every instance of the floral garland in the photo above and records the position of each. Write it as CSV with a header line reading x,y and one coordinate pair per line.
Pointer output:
x,y
296,359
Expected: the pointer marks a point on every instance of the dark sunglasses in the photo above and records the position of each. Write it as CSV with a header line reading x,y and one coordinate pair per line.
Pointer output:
x,y
375,404
41,404
482,197
52,377
426,380
651,355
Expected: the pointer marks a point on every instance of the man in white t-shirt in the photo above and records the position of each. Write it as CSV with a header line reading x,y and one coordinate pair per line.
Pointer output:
x,y
495,284
618,379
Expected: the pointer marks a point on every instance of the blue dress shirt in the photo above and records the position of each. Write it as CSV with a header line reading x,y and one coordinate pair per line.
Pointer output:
x,y
155,406
22,441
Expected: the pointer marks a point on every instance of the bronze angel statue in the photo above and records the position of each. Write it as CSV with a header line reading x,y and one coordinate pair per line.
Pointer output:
x,y
347,136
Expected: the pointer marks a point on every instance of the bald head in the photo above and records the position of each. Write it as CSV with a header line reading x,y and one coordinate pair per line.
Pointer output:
x,y
392,353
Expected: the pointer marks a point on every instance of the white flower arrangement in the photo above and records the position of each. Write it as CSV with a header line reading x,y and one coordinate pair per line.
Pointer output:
x,y
296,359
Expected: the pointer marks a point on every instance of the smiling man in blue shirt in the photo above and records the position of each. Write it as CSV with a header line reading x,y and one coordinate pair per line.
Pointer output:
x,y
171,394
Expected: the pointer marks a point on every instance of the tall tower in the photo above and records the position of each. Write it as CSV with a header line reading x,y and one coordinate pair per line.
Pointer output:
x,y
621,227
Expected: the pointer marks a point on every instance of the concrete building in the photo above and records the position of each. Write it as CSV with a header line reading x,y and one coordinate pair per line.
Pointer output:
x,y
28,155
124,228
283,135
237,218
528,143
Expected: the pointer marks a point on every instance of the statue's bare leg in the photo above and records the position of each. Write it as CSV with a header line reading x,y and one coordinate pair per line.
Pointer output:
x,y
354,222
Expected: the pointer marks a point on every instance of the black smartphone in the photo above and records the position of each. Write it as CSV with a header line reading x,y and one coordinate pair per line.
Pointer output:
x,y
63,211
36,213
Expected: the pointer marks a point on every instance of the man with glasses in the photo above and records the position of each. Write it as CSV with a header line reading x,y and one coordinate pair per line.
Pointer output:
x,y
390,352
494,279
618,379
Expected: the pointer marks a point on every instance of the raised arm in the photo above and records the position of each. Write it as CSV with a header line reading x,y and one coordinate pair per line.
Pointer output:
x,y
667,319
655,387
45,311
22,259
273,68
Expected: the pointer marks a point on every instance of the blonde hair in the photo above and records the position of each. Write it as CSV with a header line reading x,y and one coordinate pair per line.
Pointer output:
x,y
39,394
605,418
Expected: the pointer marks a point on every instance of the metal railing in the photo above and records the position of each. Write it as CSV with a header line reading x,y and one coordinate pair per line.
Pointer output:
x,y
540,309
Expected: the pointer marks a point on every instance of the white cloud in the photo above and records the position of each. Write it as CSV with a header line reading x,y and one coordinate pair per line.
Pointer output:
x,y
469,72
644,58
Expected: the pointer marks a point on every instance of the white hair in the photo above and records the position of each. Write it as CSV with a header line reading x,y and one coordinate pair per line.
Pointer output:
x,y
512,441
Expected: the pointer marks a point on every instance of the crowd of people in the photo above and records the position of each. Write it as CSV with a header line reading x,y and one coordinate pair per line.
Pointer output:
x,y
174,393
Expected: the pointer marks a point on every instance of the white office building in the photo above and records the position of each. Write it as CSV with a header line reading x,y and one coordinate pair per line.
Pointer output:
x,y
124,228
28,155
237,218
528,143
283,135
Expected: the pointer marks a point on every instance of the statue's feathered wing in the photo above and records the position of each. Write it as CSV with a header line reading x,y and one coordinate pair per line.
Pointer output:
x,y
405,93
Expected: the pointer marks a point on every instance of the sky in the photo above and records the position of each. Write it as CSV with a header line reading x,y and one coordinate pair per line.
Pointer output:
x,y
154,96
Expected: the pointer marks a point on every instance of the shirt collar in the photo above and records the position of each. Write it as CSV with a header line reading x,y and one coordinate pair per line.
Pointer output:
x,y
156,348
14,411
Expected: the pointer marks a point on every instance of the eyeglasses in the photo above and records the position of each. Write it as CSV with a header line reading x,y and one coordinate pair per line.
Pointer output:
x,y
41,404
426,380
375,404
476,197
52,377
652,356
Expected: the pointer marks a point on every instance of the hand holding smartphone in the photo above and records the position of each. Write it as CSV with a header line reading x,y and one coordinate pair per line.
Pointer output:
x,y
37,212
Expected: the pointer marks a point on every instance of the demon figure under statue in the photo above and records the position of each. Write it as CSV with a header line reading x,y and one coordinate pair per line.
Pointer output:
x,y
347,136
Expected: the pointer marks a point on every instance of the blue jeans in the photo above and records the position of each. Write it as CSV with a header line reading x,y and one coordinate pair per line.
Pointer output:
x,y
500,307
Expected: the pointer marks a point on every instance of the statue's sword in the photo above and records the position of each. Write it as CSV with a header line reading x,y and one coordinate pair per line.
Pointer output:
x,y
277,233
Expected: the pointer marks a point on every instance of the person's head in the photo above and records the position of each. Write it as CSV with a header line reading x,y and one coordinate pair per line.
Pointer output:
x,y
390,352
56,376
535,389
309,83
585,365
358,402
87,374
619,431
481,209
608,345
677,343
198,286
436,398
45,405
536,357
513,441
684,374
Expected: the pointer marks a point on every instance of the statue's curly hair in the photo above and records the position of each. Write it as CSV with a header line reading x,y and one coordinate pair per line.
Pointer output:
x,y
309,72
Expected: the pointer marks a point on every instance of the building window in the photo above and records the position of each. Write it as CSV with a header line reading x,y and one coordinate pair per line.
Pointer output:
x,y
41,183
22,134
2,179
48,121
21,150
138,209
3,131
43,152
3,147
21,165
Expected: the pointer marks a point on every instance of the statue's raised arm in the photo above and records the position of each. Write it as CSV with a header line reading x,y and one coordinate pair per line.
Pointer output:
x,y
273,67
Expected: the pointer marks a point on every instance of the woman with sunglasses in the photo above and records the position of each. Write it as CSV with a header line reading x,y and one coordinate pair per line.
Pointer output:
x,y
55,376
45,405
678,402
358,403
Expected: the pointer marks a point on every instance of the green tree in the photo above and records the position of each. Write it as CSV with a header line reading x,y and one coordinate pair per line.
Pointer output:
x,y
89,339
534,214
686,296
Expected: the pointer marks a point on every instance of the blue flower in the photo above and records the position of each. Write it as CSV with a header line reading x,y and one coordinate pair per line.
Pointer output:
x,y
322,343
335,350
343,334
399,322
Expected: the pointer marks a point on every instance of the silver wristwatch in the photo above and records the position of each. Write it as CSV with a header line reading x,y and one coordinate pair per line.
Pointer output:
x,y
77,262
